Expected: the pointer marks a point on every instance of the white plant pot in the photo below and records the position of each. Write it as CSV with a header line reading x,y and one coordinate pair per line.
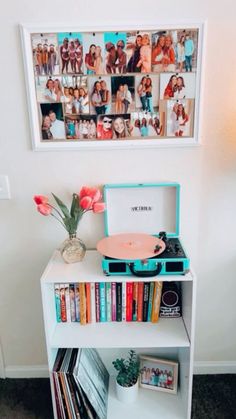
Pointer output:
x,y
127,394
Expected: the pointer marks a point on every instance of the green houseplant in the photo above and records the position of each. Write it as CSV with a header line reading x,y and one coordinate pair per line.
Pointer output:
x,y
127,377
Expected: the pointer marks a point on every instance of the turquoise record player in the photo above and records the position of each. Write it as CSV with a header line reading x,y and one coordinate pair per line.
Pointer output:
x,y
148,208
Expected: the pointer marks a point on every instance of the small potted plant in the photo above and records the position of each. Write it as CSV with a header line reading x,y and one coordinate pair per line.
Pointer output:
x,y
127,378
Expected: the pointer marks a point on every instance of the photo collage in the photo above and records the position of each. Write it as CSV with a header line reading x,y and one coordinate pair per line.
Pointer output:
x,y
115,85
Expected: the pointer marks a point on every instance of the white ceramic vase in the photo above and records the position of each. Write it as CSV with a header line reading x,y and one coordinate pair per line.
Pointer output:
x,y
127,394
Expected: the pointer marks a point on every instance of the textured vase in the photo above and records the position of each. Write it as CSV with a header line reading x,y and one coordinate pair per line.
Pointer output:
x,y
73,249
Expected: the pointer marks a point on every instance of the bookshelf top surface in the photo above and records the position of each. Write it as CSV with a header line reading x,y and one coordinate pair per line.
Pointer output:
x,y
90,270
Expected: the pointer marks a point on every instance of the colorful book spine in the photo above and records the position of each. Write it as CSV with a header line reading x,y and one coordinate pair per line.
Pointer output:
x,y
72,302
150,301
135,302
63,303
67,298
77,303
118,301
88,302
156,301
113,301
82,303
146,288
108,301
140,302
57,302
129,301
123,301
93,303
103,314
97,301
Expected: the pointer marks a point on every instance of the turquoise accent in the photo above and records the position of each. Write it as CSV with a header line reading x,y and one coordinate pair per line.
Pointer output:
x,y
146,185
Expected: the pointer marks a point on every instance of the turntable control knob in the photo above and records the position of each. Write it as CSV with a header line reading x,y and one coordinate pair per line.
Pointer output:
x,y
177,248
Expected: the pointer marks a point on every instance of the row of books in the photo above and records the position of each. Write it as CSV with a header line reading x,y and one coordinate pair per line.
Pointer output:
x,y
88,302
80,382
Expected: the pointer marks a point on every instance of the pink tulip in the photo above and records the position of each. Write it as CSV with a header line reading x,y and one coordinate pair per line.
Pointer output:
x,y
86,203
40,199
99,207
93,193
44,209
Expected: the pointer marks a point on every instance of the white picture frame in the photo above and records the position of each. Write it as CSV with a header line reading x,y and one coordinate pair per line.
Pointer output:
x,y
35,108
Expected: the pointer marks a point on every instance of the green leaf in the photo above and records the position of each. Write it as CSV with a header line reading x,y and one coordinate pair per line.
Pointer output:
x,y
76,212
62,206
74,204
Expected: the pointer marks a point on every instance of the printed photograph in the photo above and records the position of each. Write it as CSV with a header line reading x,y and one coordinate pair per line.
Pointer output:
x,y
94,53
139,52
177,86
99,89
71,52
82,127
147,92
174,50
163,51
186,42
52,121
159,374
75,95
49,89
147,124
123,94
180,117
113,127
115,54
45,54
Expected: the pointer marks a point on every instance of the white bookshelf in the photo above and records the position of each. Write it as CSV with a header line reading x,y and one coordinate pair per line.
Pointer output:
x,y
169,338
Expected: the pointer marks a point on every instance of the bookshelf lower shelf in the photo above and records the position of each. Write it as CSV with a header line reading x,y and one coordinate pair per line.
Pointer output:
x,y
165,333
151,404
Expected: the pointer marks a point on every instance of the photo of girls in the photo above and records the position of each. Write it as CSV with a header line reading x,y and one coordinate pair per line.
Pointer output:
x,y
71,52
75,95
146,125
158,374
116,57
122,89
133,46
145,60
45,55
163,52
94,53
49,90
177,86
52,122
81,127
147,92
180,118
100,95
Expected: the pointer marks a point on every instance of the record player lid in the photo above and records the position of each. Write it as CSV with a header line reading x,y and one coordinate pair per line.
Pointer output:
x,y
142,208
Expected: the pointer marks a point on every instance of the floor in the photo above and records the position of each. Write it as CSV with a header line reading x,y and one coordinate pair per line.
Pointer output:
x,y
214,397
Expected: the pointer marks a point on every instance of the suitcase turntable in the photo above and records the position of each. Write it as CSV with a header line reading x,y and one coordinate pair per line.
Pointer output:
x,y
131,246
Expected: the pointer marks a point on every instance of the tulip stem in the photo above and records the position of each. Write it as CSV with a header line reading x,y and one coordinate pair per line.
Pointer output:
x,y
55,209
53,215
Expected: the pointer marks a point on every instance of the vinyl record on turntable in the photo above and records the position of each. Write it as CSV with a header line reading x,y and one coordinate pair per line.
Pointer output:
x,y
131,246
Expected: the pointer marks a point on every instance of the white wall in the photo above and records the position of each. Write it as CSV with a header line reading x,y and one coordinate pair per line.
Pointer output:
x,y
207,175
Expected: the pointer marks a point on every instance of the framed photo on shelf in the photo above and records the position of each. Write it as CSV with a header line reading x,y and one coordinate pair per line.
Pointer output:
x,y
113,87
158,374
